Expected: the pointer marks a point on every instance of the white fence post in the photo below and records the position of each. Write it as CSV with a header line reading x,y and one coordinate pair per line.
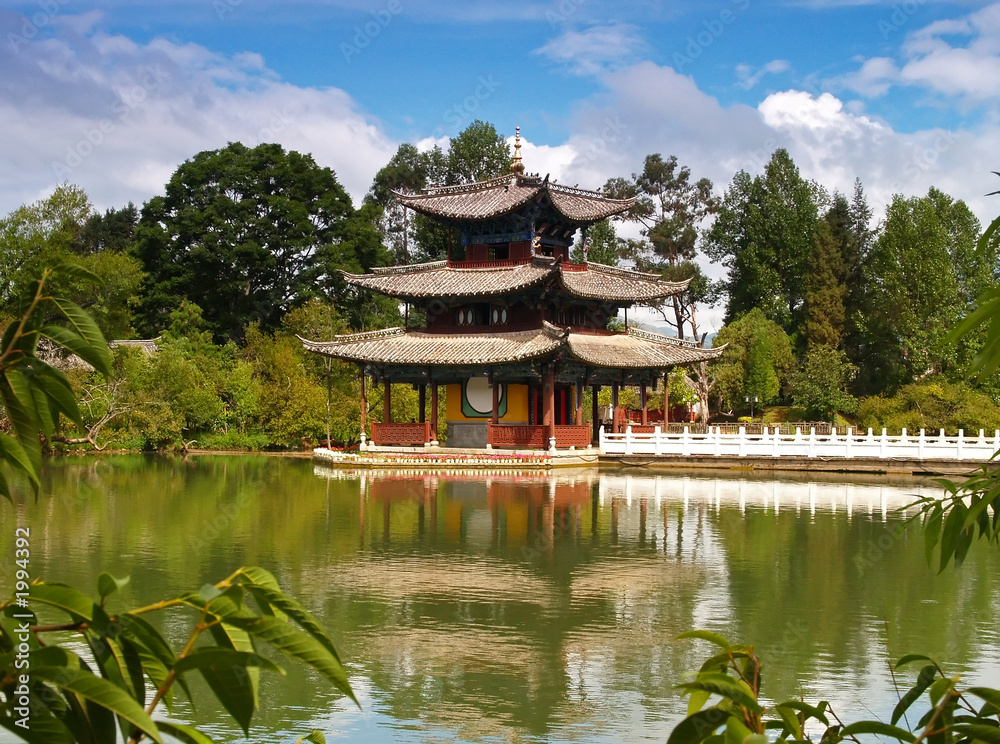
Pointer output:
x,y
812,441
883,448
718,440
850,454
961,443
920,446
658,448
628,439
743,441
685,443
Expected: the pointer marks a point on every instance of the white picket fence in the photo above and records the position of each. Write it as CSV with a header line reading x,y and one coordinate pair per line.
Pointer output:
x,y
848,444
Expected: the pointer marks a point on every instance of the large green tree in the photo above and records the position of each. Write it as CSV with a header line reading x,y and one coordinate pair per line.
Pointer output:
x,y
764,236
248,234
757,361
670,206
923,273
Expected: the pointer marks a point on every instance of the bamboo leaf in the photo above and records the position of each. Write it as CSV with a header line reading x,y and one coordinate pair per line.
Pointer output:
x,y
184,734
66,598
108,584
296,644
214,656
705,635
790,720
96,348
877,727
231,686
909,658
924,680
723,684
979,732
697,727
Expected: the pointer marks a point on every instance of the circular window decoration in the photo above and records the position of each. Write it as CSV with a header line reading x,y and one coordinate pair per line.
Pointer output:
x,y
503,315
496,316
461,317
479,396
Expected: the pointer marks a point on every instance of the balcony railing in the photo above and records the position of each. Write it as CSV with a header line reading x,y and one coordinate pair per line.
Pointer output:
x,y
537,437
401,434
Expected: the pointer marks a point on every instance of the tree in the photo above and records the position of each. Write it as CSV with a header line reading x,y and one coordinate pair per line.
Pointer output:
x,y
477,153
825,291
408,170
249,234
670,207
819,386
603,245
920,277
764,236
757,361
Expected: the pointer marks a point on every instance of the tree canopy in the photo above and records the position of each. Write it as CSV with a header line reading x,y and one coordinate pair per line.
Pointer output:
x,y
249,234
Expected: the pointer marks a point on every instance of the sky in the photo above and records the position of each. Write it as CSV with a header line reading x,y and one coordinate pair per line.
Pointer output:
x,y
114,96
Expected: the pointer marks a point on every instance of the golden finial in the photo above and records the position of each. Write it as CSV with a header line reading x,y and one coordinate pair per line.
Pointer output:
x,y
517,166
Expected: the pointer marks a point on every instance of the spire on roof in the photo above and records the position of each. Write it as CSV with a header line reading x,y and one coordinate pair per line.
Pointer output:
x,y
517,166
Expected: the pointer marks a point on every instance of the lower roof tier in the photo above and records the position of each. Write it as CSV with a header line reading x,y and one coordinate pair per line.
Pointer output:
x,y
635,349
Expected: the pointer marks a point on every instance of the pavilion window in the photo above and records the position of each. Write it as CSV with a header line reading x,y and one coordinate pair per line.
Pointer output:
x,y
499,252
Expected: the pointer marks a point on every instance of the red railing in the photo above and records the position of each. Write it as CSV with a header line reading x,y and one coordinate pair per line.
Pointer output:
x,y
401,434
496,263
573,436
517,435
567,266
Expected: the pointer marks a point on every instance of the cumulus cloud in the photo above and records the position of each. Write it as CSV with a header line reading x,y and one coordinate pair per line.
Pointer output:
x,y
117,117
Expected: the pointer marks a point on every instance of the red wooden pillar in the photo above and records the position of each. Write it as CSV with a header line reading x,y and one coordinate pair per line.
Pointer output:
x,y
595,421
387,402
549,405
434,412
666,399
578,389
645,408
364,406
615,417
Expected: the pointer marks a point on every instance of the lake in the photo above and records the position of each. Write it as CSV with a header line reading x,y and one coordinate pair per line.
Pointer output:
x,y
478,606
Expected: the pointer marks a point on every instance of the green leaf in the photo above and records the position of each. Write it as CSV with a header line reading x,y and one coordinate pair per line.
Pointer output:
x,y
790,720
877,727
932,531
939,688
286,605
705,635
736,731
58,390
697,727
979,732
697,700
158,658
296,644
809,710
988,694
316,737
100,692
909,658
722,684
43,728
108,584
232,687
184,734
66,598
13,453
950,533
924,680
96,349
214,656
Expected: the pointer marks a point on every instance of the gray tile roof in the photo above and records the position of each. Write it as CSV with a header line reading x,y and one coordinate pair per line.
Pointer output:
x,y
499,196
637,350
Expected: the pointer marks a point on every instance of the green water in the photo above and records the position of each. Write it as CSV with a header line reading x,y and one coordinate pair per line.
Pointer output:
x,y
525,608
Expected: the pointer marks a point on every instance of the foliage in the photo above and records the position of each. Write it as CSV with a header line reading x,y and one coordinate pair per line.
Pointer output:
x,y
764,235
603,245
819,386
825,292
248,234
33,394
51,693
757,361
670,207
953,713
935,403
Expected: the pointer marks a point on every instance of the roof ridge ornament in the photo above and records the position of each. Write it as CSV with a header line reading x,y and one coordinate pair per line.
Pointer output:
x,y
516,165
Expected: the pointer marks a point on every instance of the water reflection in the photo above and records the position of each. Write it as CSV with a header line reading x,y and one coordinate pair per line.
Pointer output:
x,y
485,606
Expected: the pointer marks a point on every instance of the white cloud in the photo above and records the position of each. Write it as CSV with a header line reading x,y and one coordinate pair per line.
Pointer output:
x,y
596,49
118,117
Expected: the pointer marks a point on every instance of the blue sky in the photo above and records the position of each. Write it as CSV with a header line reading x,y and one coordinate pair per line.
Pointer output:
x,y
114,96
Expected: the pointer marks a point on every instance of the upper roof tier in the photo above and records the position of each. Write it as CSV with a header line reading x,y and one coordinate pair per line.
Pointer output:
x,y
589,281
506,194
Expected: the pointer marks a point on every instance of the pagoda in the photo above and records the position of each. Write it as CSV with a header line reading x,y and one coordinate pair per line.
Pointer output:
x,y
514,330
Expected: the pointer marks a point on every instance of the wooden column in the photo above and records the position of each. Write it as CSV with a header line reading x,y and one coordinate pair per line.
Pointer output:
x,y
579,403
387,402
645,407
434,412
666,399
423,402
614,408
549,405
364,406
595,421
496,402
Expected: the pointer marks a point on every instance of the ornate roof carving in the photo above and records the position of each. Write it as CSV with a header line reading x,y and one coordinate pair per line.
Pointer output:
x,y
499,196
595,282
637,350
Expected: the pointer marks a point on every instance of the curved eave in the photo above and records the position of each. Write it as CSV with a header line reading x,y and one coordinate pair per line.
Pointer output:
x,y
398,348
637,350
442,281
582,206
612,284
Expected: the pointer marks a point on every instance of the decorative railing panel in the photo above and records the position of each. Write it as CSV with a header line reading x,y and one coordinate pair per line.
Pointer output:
x,y
772,443
401,434
517,435
497,263
573,436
